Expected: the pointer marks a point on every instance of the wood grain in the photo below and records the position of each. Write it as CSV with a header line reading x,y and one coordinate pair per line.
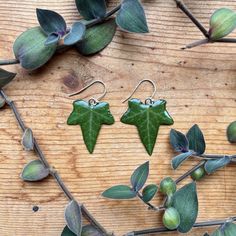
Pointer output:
x,y
199,85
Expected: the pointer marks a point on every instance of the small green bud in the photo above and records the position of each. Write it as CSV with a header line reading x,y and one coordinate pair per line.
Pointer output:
x,y
171,218
198,174
168,186
169,201
231,132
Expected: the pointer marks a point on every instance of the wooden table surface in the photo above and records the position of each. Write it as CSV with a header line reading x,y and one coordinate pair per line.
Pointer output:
x,y
199,85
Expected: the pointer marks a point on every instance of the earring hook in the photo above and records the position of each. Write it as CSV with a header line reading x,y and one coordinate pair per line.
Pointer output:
x,y
88,86
142,81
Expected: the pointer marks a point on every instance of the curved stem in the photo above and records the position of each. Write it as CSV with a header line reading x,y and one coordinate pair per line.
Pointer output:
x,y
197,43
9,62
53,172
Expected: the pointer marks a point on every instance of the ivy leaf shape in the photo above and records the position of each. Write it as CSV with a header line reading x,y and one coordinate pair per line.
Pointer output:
x,y
90,117
147,118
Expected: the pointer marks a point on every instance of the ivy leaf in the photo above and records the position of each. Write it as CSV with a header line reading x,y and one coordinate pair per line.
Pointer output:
x,y
90,118
215,164
177,161
149,192
222,23
91,9
51,22
30,49
139,177
28,140
228,229
87,230
179,141
73,217
5,77
34,171
76,34
131,17
231,132
119,192
147,118
196,140
97,38
185,201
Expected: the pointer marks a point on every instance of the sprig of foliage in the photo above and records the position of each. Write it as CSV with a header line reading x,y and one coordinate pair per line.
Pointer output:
x,y
193,145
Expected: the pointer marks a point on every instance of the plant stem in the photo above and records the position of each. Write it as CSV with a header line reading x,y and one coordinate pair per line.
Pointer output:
x,y
225,40
53,172
192,18
150,206
9,62
197,43
163,229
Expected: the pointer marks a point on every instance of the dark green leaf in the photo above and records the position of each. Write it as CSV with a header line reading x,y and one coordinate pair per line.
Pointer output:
x,y
5,77
76,34
97,38
178,160
73,217
52,39
179,141
147,118
196,140
149,192
119,192
87,230
28,140
185,201
228,229
131,17
91,9
30,49
51,22
90,118
215,164
34,171
231,132
222,23
139,177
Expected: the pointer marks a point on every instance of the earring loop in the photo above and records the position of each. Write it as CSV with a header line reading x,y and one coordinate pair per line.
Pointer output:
x,y
92,100
148,100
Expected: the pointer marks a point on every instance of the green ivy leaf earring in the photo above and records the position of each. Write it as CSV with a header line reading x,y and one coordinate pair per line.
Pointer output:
x,y
147,117
90,115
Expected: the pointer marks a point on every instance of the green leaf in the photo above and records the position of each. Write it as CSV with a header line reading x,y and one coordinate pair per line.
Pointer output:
x,y
196,140
139,177
178,160
76,34
91,9
231,132
131,17
97,38
28,140
215,164
228,229
73,217
34,171
179,141
222,23
87,230
51,22
90,118
185,201
30,49
147,118
119,192
5,77
149,192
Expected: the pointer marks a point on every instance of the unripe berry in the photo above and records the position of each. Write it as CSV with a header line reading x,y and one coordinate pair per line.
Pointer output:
x,y
231,132
171,218
198,174
168,186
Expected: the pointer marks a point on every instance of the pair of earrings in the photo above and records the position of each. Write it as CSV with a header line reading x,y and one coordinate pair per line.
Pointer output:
x,y
147,116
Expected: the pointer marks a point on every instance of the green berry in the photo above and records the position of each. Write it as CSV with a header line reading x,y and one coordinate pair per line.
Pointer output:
x,y
231,132
171,218
168,186
198,174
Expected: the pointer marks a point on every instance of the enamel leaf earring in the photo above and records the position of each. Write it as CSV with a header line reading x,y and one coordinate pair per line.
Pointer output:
x,y
90,115
147,117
